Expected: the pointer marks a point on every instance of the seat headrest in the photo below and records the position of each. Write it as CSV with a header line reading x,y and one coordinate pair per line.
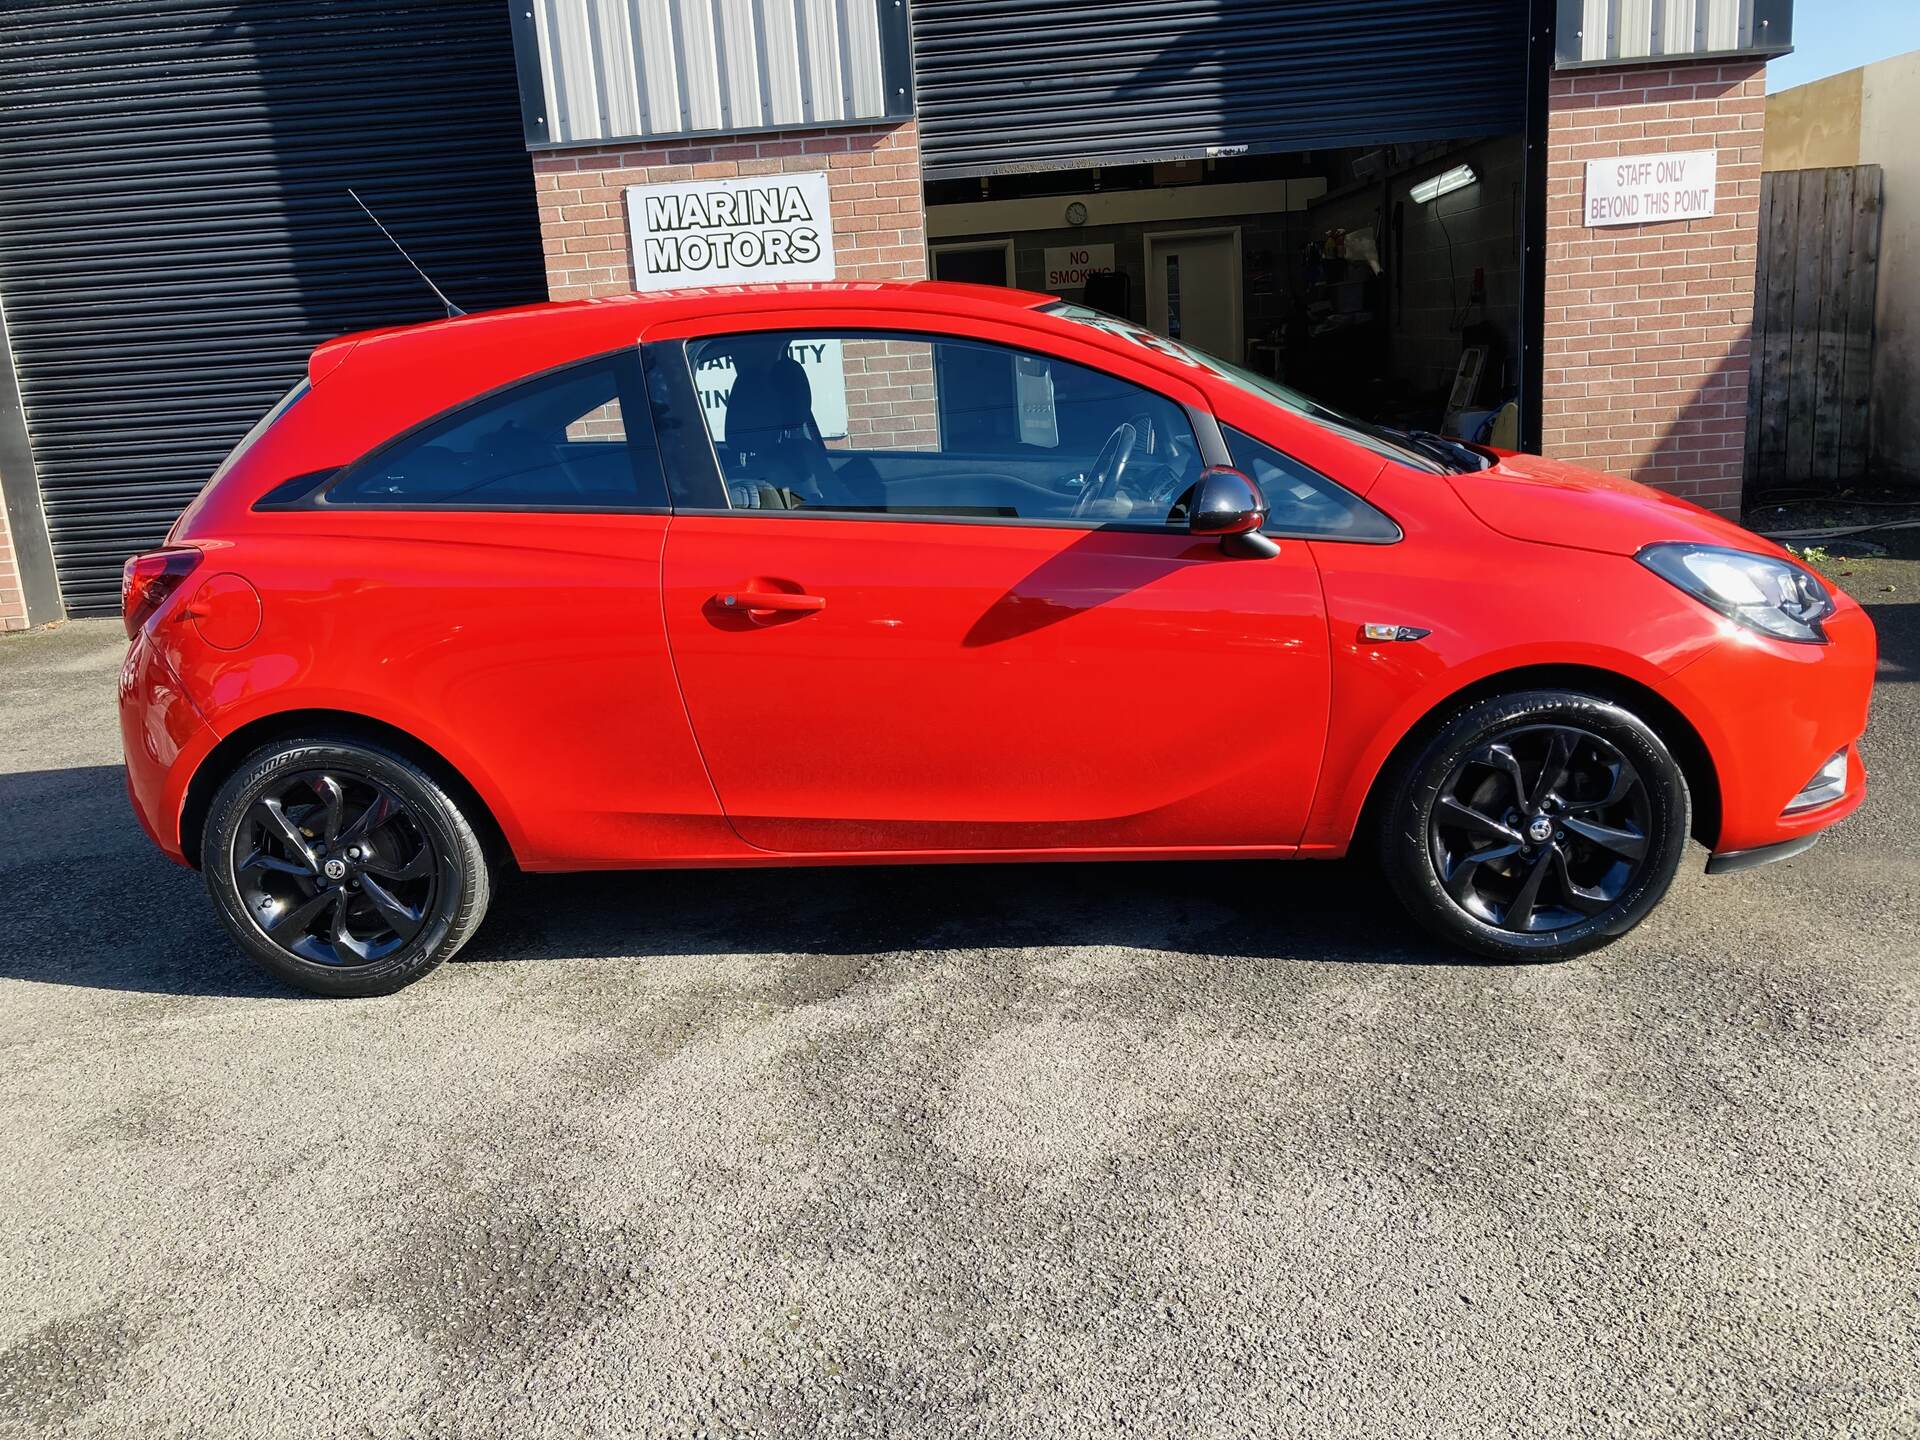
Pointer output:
x,y
768,401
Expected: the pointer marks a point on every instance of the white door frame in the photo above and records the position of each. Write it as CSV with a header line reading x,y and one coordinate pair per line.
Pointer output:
x,y
1005,247
1238,306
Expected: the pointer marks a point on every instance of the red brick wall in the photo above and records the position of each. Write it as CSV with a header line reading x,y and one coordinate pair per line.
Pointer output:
x,y
13,599
873,175
1648,326
890,404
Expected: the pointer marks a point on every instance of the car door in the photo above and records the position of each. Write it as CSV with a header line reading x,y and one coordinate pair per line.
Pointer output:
x,y
907,615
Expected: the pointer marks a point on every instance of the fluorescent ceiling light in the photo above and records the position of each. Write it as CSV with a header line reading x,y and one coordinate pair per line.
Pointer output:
x,y
1445,183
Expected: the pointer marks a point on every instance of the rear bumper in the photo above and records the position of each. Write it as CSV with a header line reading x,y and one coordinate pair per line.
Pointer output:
x,y
158,725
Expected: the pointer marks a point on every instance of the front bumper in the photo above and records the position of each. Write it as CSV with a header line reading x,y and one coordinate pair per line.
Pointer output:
x,y
1771,714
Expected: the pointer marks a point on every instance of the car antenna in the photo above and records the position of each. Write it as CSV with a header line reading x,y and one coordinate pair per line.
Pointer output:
x,y
453,310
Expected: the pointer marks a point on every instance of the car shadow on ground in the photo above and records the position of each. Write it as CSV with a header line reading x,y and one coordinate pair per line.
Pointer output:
x,y
91,903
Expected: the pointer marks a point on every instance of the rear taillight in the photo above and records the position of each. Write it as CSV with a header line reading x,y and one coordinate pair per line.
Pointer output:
x,y
147,581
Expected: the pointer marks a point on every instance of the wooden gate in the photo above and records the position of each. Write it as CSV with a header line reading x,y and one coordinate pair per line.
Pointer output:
x,y
1812,362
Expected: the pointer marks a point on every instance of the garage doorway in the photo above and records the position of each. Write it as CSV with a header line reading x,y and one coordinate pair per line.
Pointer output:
x,y
1193,289
982,262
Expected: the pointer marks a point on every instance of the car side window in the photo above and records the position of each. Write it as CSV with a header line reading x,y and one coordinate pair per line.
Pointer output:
x,y
579,438
1302,501
909,425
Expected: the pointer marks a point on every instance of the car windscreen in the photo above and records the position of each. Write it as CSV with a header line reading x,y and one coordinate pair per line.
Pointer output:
x,y
1411,448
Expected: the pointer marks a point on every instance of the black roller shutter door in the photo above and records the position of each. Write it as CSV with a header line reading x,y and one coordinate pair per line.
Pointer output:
x,y
1031,85
176,235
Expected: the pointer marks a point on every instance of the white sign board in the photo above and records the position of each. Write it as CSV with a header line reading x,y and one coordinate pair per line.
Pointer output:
x,y
1647,189
1069,265
756,231
826,374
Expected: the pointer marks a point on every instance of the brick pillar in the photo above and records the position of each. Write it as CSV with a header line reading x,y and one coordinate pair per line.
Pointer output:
x,y
1648,326
13,596
873,173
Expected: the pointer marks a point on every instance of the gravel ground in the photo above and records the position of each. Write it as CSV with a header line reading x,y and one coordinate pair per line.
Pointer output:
x,y
1156,1150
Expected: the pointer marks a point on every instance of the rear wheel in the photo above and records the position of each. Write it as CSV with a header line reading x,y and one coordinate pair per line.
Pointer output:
x,y
341,867
1535,826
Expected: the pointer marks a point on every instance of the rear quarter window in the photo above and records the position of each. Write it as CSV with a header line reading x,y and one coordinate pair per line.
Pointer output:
x,y
579,438
260,427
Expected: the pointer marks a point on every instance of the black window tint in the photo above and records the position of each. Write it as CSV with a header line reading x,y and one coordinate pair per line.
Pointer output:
x,y
921,425
1302,501
578,438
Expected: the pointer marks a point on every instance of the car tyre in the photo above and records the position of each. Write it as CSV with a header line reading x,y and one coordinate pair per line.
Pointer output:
x,y
1490,855
341,867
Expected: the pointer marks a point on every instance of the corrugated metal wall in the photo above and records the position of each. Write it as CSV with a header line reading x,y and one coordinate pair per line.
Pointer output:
x,y
1032,84
654,69
1597,32
175,231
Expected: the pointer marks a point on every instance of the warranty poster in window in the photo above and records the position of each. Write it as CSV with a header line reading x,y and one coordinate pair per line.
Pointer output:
x,y
822,360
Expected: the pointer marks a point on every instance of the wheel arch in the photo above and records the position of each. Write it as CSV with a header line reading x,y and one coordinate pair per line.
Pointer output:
x,y
1675,730
220,761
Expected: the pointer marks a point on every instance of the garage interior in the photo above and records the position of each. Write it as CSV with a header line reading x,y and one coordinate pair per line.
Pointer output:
x,y
1382,280
1332,194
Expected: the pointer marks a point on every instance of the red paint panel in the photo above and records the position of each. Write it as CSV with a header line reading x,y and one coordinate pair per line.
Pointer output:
x,y
987,687
526,648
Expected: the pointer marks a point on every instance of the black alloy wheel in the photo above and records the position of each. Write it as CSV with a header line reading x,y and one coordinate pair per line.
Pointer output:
x,y
335,867
1535,825
342,867
1542,827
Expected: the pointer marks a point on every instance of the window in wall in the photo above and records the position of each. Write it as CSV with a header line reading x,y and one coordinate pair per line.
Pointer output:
x,y
912,425
560,441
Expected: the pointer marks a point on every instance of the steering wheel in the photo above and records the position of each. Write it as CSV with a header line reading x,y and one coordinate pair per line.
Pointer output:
x,y
1109,465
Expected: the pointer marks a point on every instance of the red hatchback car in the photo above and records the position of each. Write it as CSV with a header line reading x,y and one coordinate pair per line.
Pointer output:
x,y
907,573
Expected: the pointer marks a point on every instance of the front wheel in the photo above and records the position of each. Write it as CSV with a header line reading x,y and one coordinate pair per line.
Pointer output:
x,y
341,867
1535,826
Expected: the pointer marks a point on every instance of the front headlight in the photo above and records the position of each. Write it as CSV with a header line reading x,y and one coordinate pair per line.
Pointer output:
x,y
1775,597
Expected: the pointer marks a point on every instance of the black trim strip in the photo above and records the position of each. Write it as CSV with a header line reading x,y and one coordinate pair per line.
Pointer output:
x,y
534,124
1213,443
896,59
1730,862
421,508
680,427
288,494
742,132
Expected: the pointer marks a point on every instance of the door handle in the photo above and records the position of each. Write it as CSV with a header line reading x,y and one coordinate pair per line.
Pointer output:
x,y
761,602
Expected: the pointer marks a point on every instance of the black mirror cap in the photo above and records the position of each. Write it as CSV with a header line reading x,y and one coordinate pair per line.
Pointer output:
x,y
1226,502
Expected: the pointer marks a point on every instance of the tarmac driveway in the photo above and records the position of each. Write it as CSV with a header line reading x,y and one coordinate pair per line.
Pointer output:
x,y
1181,1150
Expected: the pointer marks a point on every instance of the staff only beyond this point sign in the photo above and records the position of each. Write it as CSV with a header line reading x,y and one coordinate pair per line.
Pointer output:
x,y
757,231
1647,189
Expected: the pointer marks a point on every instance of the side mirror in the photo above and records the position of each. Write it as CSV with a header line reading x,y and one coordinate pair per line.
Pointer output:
x,y
1228,504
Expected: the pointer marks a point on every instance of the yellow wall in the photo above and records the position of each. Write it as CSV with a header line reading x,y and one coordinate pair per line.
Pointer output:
x,y
1814,126
1890,138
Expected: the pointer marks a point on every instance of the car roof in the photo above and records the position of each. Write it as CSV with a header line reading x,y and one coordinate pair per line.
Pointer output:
x,y
582,326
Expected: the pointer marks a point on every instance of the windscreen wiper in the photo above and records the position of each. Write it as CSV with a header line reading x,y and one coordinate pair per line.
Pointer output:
x,y
1453,452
